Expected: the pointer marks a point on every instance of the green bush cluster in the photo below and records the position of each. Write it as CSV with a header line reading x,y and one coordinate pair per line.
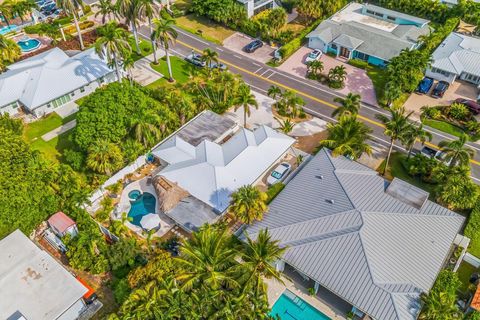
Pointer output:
x,y
273,191
472,230
289,48
358,63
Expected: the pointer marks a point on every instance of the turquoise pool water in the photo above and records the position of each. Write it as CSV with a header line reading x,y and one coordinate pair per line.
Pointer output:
x,y
7,29
143,205
28,45
291,307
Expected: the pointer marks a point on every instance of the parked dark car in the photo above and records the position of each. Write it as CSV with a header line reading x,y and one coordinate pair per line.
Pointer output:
x,y
253,46
425,85
440,89
473,106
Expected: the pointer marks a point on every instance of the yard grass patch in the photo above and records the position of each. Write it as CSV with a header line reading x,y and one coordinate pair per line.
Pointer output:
x,y
464,273
180,69
53,149
145,48
397,170
35,130
444,126
379,80
207,29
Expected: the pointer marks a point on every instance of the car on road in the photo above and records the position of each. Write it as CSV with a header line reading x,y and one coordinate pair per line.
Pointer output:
x,y
279,173
440,89
473,106
196,59
313,56
435,154
425,85
253,46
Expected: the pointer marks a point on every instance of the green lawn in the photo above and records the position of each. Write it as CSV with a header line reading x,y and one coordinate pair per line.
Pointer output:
x,y
464,272
53,149
444,126
145,48
180,69
379,79
398,171
207,29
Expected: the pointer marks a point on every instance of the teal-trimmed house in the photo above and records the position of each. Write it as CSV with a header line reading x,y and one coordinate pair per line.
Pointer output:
x,y
369,33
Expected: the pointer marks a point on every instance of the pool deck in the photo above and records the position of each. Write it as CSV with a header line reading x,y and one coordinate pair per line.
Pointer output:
x,y
276,288
124,205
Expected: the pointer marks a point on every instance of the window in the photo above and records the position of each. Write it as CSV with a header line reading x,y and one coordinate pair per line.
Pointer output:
x,y
391,18
333,46
362,56
59,101
440,71
471,78
370,12
378,14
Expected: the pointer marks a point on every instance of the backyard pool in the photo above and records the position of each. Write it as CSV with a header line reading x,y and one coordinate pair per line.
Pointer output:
x,y
7,29
143,205
28,44
291,307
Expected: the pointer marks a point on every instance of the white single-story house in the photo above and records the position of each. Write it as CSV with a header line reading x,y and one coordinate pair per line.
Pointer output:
x,y
51,79
211,171
34,285
457,57
254,7
368,32
375,244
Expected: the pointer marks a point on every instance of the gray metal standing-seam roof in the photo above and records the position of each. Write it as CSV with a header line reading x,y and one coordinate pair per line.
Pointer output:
x,y
344,231
458,53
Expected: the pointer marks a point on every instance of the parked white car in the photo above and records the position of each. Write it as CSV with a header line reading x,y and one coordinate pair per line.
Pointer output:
x,y
279,173
314,55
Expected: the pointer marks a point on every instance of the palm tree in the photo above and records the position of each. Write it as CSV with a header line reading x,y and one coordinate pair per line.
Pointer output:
x,y
274,92
350,105
439,305
315,67
70,7
209,56
104,157
290,104
165,34
207,259
6,12
286,126
119,226
147,129
128,64
456,152
20,8
258,258
396,127
414,133
130,10
248,203
337,75
458,191
107,10
348,138
149,9
245,99
9,51
113,45
392,92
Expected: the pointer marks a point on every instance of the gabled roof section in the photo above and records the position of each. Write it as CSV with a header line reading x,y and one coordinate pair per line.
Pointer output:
x,y
375,251
60,221
458,53
211,172
42,78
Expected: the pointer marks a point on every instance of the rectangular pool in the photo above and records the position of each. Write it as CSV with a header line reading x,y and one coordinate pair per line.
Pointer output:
x,y
291,307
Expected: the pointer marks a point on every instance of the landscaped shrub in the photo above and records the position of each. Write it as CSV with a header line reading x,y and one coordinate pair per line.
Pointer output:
x,y
273,191
431,112
472,230
458,111
83,25
358,63
419,165
288,49
75,159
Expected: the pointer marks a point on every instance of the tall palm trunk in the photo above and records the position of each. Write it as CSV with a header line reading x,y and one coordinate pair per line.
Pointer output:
x,y
154,43
135,35
79,33
244,117
167,55
388,156
117,67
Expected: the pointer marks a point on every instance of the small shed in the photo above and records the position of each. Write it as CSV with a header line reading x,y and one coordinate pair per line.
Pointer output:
x,y
61,224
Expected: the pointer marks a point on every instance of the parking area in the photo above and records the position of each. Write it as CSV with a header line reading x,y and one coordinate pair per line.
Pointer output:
x,y
357,79
238,41
458,89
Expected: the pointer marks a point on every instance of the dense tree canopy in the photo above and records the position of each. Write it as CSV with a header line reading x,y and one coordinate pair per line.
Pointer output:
x,y
224,11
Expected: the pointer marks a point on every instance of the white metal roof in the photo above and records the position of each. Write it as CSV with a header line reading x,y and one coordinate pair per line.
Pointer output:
x,y
458,53
49,75
32,282
211,172
343,230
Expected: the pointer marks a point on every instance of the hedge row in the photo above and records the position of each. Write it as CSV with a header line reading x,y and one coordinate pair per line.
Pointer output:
x,y
289,48
472,230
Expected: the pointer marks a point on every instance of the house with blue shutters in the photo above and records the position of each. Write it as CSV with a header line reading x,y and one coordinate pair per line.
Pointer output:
x,y
368,32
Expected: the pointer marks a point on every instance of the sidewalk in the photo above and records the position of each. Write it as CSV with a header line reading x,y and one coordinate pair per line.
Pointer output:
x,y
143,72
58,131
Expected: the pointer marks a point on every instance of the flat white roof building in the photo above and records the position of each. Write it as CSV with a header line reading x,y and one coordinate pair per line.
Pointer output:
x,y
50,79
34,286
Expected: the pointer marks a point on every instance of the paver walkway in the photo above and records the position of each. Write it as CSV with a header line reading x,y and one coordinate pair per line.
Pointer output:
x,y
58,131
142,71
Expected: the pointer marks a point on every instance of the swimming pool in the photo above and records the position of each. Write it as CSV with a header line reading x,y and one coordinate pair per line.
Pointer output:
x,y
143,205
291,307
7,29
28,44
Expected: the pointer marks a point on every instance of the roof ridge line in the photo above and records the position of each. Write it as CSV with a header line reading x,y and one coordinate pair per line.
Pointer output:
x,y
325,236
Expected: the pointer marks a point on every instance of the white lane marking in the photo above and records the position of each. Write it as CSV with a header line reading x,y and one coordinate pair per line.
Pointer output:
x,y
237,56
263,73
178,53
273,73
256,64
219,49
191,36
258,69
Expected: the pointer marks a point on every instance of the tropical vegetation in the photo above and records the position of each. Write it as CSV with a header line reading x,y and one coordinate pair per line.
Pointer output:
x,y
248,204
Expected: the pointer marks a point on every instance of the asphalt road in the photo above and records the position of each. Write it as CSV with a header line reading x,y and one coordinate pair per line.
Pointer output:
x,y
318,98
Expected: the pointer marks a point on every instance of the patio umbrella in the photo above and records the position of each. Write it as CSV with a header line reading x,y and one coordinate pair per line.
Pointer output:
x,y
150,221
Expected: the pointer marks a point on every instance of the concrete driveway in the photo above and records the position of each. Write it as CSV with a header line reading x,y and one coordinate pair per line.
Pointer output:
x,y
458,89
237,41
357,79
